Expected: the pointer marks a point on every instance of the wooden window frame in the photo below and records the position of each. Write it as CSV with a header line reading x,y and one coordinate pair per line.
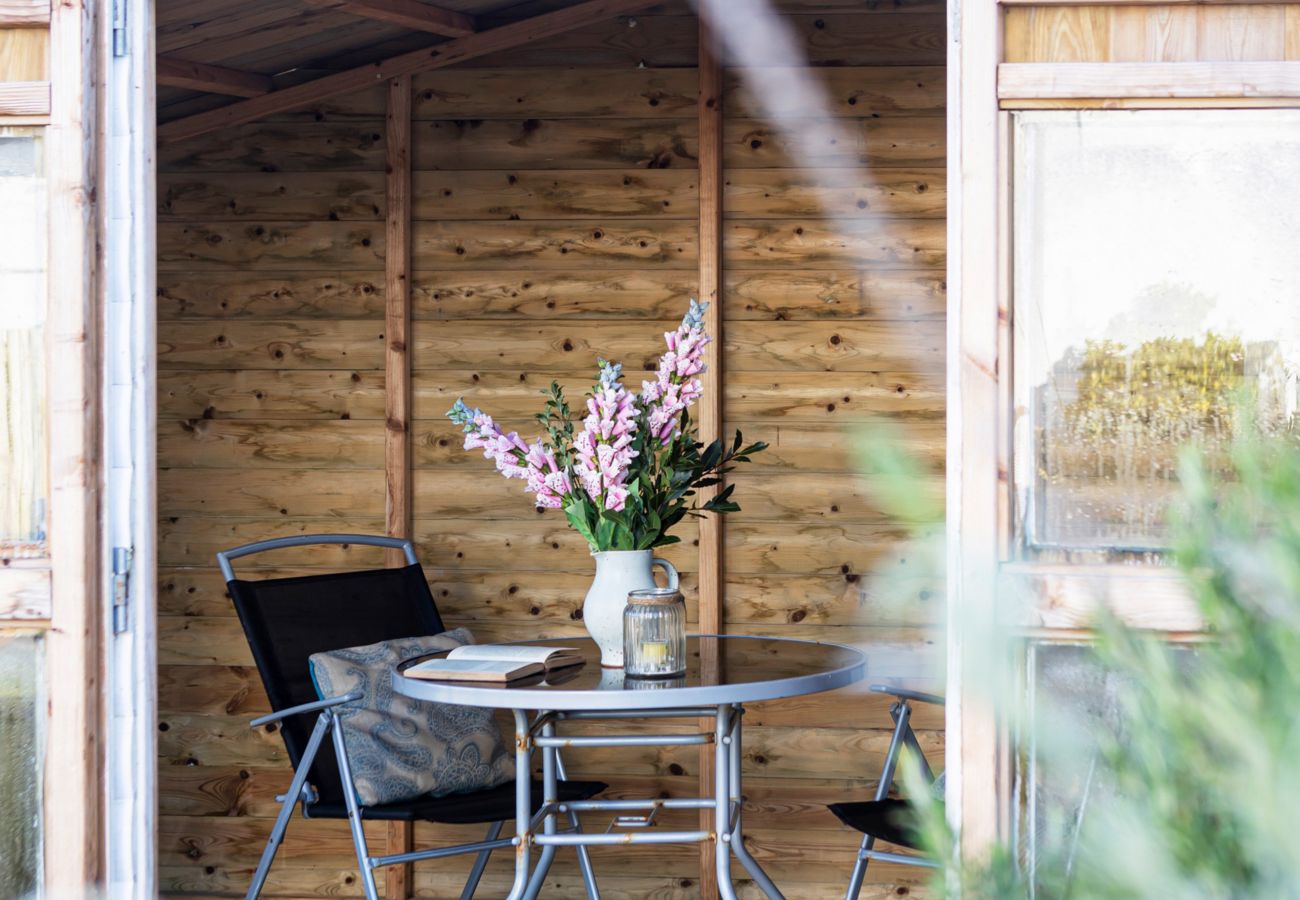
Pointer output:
x,y
1060,600
1152,82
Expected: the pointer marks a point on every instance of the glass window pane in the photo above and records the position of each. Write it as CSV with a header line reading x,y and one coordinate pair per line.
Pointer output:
x,y
20,769
1155,283
23,479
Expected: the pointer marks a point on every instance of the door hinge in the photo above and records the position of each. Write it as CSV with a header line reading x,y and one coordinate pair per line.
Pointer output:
x,y
119,28
122,557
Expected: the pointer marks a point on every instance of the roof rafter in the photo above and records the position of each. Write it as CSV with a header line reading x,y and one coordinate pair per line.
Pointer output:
x,y
196,76
410,14
438,56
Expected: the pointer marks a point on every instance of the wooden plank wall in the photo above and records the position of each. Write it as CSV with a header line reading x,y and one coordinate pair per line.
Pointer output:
x,y
834,308
555,218
271,422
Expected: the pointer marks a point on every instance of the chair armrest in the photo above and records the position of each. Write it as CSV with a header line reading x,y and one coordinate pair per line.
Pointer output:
x,y
907,694
304,708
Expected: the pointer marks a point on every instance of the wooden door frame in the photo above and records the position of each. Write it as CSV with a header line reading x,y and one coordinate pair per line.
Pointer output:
x,y
127,295
976,282
74,759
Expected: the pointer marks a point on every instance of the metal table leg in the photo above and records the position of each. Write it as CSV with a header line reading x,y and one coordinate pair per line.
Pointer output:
x,y
584,858
722,802
734,758
523,804
728,834
550,797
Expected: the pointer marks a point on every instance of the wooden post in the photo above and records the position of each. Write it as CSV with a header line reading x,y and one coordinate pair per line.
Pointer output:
x,y
399,880
976,238
710,406
74,760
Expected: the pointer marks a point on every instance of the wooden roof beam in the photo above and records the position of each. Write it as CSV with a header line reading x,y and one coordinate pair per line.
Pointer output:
x,y
438,56
196,76
410,14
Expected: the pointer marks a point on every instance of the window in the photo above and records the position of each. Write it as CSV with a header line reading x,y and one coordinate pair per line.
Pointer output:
x,y
1156,295
21,725
23,478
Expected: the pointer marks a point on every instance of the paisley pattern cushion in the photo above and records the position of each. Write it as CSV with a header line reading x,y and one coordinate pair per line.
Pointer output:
x,y
399,748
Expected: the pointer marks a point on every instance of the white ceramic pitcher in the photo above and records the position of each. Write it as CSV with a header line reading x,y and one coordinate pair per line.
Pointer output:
x,y
618,572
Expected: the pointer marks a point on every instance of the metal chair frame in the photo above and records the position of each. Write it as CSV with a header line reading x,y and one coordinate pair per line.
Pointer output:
x,y
328,724
901,712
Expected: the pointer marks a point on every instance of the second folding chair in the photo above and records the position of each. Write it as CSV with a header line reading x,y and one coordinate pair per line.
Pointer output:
x,y
885,818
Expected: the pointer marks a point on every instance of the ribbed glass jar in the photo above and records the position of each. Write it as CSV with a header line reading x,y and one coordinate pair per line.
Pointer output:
x,y
654,634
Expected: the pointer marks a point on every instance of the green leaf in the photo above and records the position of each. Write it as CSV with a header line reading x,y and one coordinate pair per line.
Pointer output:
x,y
605,534
577,516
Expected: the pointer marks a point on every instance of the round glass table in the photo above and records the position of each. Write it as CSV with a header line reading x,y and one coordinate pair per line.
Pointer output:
x,y
723,673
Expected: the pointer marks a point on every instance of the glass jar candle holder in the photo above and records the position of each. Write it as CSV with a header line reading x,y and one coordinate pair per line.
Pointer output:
x,y
654,634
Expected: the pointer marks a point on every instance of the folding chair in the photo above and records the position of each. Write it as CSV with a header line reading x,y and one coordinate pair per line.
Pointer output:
x,y
288,619
885,818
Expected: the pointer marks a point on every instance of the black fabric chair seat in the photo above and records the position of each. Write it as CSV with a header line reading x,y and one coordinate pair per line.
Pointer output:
x,y
493,805
887,820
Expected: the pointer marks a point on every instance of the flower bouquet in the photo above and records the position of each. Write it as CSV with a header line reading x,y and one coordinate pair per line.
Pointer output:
x,y
630,473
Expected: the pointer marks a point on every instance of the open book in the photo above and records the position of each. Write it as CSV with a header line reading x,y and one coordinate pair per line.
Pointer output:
x,y
494,662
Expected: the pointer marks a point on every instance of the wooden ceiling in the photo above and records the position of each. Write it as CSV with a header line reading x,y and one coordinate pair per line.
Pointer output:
x,y
213,52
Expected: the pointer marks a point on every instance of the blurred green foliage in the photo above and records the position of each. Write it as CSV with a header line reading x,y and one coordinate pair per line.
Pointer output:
x,y
1196,791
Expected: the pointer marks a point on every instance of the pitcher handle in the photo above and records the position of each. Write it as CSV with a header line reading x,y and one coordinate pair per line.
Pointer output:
x,y
668,570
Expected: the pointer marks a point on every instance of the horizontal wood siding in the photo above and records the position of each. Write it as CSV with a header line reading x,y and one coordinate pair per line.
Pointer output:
x,y
555,219
554,222
271,403
834,304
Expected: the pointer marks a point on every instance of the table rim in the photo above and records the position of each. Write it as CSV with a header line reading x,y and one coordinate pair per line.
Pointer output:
x,y
559,699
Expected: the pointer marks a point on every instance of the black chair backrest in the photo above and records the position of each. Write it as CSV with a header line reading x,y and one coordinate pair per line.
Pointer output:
x,y
286,620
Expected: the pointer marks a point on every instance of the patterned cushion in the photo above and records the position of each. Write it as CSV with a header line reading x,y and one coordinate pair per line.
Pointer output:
x,y
400,748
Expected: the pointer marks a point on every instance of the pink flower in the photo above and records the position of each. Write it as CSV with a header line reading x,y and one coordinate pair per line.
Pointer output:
x,y
546,479
677,384
513,457
604,446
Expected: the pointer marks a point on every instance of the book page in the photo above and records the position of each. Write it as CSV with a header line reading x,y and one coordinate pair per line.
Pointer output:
x,y
512,652
477,669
